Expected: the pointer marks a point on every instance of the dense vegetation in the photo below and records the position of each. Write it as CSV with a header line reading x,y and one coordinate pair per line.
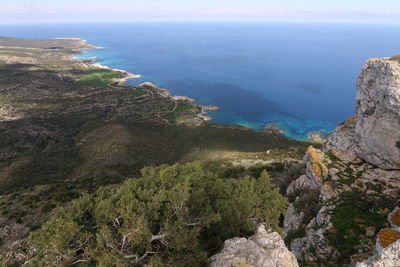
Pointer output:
x,y
170,216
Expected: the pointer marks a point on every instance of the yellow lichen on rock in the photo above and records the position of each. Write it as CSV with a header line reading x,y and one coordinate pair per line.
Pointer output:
x,y
394,218
315,155
316,169
315,160
388,236
351,119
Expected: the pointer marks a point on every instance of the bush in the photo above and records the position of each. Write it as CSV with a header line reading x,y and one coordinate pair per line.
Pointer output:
x,y
171,216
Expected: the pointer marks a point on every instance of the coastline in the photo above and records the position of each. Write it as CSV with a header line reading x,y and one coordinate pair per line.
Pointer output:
x,y
202,114
120,81
92,62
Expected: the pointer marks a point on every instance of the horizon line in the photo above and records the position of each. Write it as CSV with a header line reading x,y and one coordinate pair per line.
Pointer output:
x,y
201,21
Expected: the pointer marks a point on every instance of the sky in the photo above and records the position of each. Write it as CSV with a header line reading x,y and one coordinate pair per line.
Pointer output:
x,y
338,11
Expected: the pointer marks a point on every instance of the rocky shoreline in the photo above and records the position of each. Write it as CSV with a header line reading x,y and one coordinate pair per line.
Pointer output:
x,y
273,128
202,114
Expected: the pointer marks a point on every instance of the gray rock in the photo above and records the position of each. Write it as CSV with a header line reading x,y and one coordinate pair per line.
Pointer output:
x,y
292,220
303,182
263,249
377,128
383,257
342,141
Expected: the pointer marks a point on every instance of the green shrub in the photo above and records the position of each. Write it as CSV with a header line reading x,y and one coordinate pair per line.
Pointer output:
x,y
47,207
171,216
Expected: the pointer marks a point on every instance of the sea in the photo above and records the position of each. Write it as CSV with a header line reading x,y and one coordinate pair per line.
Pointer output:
x,y
300,77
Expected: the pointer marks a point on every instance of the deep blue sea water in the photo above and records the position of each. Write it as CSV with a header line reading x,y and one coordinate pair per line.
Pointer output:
x,y
299,76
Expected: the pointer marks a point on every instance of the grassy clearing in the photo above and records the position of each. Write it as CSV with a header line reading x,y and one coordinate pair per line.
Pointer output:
x,y
98,77
172,117
183,107
137,93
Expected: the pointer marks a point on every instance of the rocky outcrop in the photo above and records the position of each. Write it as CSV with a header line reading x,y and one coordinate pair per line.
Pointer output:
x,y
378,113
354,181
263,249
342,142
338,201
374,133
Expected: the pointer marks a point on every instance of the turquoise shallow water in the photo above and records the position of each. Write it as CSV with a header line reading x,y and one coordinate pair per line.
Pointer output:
x,y
298,76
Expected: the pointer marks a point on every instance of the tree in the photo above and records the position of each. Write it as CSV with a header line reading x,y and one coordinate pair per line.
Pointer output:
x,y
171,216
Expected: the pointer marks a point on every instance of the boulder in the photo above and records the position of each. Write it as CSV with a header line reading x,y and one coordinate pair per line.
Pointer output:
x,y
315,165
301,183
263,249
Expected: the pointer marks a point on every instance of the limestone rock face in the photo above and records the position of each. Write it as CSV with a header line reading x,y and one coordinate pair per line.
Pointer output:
x,y
263,249
293,220
301,183
377,128
342,142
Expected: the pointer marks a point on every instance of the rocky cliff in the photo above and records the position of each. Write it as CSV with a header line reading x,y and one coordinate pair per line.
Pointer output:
x,y
344,210
340,206
377,130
